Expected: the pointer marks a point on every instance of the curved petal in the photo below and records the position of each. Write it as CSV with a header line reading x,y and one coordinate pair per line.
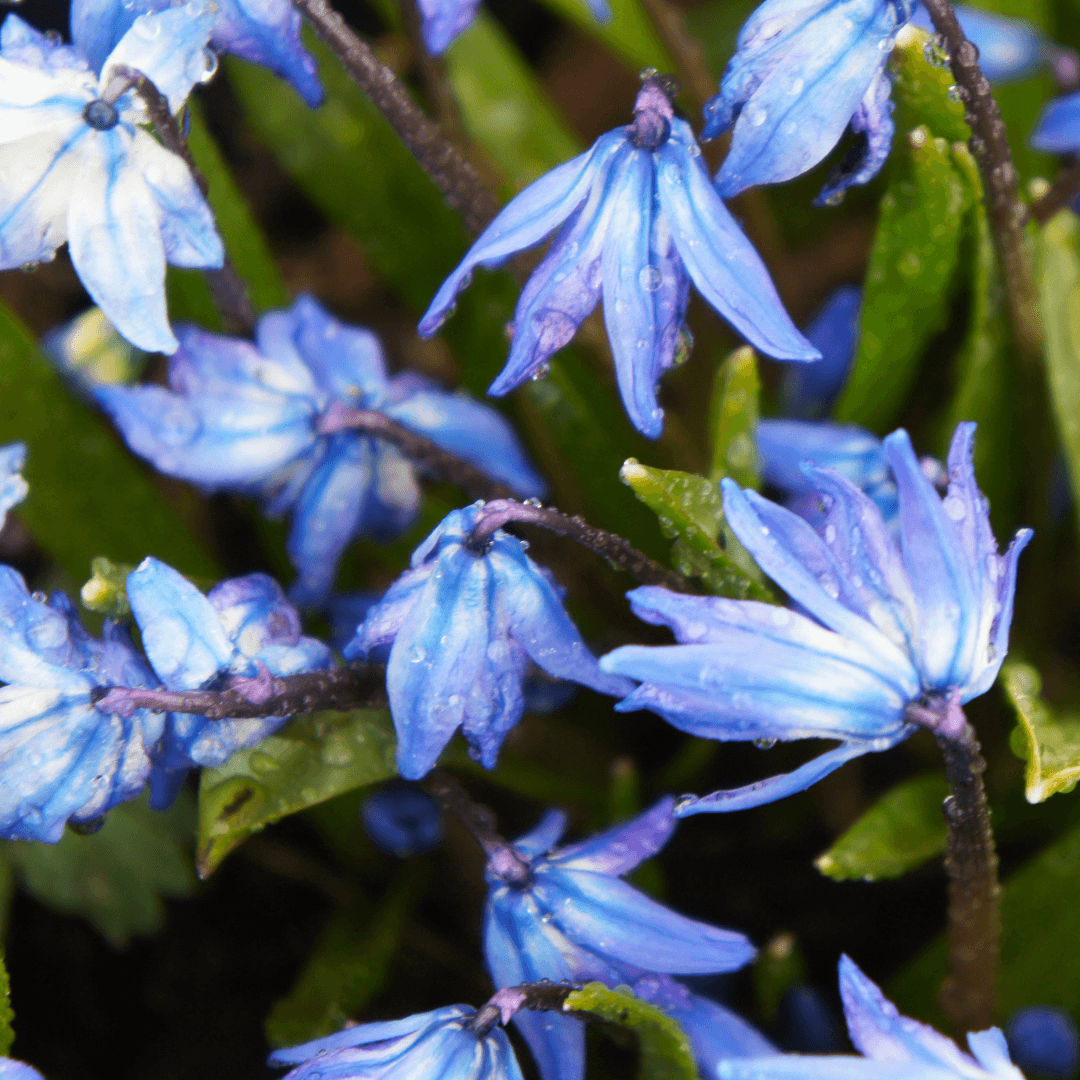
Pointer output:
x,y
543,836
97,26
784,446
34,101
825,1067
717,1034
999,633
618,850
254,612
387,616
525,221
1058,129
721,262
115,241
443,20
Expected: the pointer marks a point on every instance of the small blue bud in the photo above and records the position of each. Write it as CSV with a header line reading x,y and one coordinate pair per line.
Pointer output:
x,y
1044,1041
402,819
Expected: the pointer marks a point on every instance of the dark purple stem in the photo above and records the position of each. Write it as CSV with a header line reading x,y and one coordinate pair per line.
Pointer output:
x,y
357,687
618,552
456,177
543,996
969,994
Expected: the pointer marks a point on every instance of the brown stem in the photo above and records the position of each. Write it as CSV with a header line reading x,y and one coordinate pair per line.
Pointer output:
x,y
618,552
990,146
1064,189
455,176
542,996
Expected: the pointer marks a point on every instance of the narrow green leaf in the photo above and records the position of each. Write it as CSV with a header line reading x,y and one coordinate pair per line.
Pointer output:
x,y
664,1050
79,472
7,1013
313,758
503,107
116,878
1057,270
901,831
690,511
912,266
244,240
921,90
349,966
733,418
1049,744
629,33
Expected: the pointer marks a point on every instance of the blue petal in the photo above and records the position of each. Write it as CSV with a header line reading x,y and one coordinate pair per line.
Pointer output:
x,y
999,632
10,1069
826,1067
540,839
525,221
607,915
474,431
385,619
992,1052
619,849
97,26
181,633
13,488
1058,129
721,262
443,20
19,41
779,787
254,612
1008,48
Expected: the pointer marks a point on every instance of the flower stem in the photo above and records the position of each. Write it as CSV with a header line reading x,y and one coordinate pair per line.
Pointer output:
x,y
543,996
990,146
618,552
969,994
455,176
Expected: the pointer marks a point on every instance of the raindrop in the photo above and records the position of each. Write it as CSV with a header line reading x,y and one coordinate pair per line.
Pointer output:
x,y
765,744
650,278
418,654
542,372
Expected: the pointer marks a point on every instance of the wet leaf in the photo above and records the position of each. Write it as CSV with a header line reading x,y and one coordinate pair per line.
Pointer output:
x,y
912,267
901,831
115,878
7,1013
921,90
313,758
1049,744
664,1050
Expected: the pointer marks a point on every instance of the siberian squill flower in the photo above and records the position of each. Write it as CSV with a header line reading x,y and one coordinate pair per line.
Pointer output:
x,y
13,488
444,1044
61,759
442,20
10,1069
266,32
892,1046
76,165
1058,129
639,221
802,74
565,913
886,632
249,418
242,628
462,625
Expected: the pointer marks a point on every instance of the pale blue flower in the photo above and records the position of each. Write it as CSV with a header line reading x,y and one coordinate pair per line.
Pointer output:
x,y
13,488
266,32
61,759
880,627
463,625
804,73
638,221
565,913
894,1047
438,1045
240,627
1008,48
77,166
245,417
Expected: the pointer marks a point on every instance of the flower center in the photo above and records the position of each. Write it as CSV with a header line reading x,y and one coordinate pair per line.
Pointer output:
x,y
100,115
652,112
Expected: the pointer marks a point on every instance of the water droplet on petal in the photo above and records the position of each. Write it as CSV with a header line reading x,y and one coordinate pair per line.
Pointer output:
x,y
650,278
765,744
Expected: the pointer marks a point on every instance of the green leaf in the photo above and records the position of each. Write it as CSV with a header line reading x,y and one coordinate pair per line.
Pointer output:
x,y
1051,746
503,107
313,758
115,878
921,90
629,33
87,494
1057,276
690,511
106,591
912,266
664,1050
349,966
7,1013
733,418
244,240
902,830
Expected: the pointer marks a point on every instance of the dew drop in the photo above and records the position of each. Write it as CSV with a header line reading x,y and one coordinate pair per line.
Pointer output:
x,y
418,654
765,744
650,278
954,508
542,372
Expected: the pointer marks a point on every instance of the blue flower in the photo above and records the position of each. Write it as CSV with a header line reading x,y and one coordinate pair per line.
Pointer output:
x,y
13,488
442,20
266,32
640,221
880,626
78,166
807,391
433,1044
1058,129
802,74
62,759
564,913
193,641
464,625
245,418
1045,1041
892,1046
1008,48
402,819
10,1069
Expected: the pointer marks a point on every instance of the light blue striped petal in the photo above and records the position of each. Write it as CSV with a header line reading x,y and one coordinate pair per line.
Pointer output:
x,y
620,849
826,1067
